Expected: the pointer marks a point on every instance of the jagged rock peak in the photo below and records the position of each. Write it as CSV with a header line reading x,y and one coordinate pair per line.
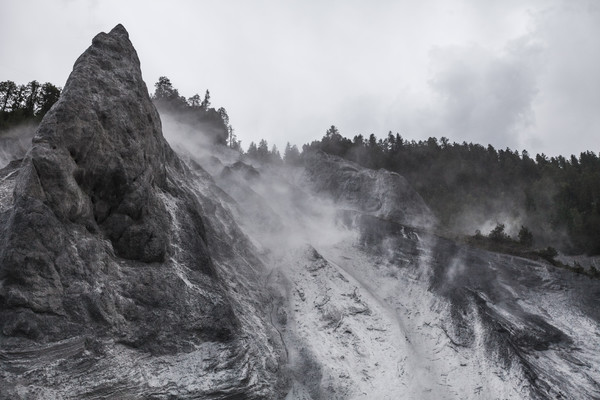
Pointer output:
x,y
109,244
119,29
93,176
100,150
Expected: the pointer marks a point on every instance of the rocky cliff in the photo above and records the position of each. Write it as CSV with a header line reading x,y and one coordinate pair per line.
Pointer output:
x,y
106,249
382,194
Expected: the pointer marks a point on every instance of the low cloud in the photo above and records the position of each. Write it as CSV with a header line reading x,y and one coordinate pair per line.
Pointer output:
x,y
483,97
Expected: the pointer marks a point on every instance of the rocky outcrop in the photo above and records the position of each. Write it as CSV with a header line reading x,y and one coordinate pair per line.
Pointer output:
x,y
106,243
379,193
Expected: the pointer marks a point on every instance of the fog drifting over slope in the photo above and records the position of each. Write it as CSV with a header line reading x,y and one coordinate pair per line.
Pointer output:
x,y
273,203
369,308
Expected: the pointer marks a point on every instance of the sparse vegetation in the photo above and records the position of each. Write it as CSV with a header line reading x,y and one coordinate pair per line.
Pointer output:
x,y
498,241
261,152
525,237
498,235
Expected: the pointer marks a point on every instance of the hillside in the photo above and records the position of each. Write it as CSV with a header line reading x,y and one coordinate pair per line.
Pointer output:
x,y
137,262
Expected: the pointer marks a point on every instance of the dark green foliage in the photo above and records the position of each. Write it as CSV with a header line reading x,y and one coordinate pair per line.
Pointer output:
x,y
194,101
334,143
232,141
275,155
206,102
48,96
291,156
252,151
25,103
261,152
469,183
498,240
214,124
498,235
165,93
549,252
525,237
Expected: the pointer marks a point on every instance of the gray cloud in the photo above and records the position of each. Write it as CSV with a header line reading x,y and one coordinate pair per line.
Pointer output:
x,y
484,97
567,113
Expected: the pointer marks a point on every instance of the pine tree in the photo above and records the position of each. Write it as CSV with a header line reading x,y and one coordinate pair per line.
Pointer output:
x,y
232,142
252,151
275,156
206,102
7,91
164,90
48,96
291,156
194,101
525,237
262,153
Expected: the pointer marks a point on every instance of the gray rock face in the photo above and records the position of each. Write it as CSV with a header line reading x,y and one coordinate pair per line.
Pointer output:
x,y
105,245
100,154
383,194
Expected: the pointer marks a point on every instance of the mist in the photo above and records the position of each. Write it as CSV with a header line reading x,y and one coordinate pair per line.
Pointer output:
x,y
273,202
15,142
333,257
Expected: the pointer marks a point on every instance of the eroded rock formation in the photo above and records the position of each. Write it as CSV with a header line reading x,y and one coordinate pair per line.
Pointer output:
x,y
106,243
379,193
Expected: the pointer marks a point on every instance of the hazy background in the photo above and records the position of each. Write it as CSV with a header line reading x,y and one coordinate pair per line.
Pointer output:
x,y
523,74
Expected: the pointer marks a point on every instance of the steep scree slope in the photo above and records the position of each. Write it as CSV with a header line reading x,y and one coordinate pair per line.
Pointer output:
x,y
372,305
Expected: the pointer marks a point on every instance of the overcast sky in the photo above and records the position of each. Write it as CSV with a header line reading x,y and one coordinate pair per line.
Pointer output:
x,y
523,74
